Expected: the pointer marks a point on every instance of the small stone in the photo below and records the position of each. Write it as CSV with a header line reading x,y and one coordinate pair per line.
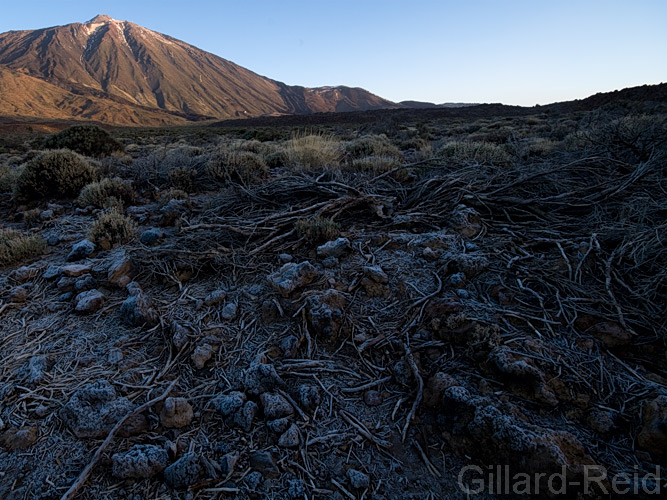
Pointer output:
x,y
336,248
309,396
184,472
202,353
253,480
19,294
228,463
227,404
52,272
653,434
296,488
179,335
47,215
457,279
402,373
275,406
289,346
173,211
292,276
81,250
263,462
65,297
89,302
358,480
463,294
19,439
373,398
261,377
270,312
330,262
285,258
137,309
151,236
215,297
24,273
376,274
85,283
119,271
141,461
291,438
279,425
246,415
66,284
75,270
229,311
53,240
176,413
42,411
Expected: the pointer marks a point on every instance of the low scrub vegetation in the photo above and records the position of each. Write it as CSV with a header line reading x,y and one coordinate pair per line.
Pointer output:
x,y
112,228
312,151
97,194
88,140
317,229
241,166
16,247
57,174
485,153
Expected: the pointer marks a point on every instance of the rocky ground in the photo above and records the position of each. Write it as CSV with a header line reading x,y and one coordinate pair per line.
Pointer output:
x,y
446,323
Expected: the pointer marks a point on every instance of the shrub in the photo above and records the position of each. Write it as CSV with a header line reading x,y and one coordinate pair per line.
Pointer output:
x,y
375,164
312,151
183,178
172,194
16,246
372,145
97,194
89,140
8,177
241,166
317,229
474,151
112,228
54,173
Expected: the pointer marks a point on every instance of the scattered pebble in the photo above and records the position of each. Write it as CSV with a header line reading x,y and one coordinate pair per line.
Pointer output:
x,y
81,250
141,461
358,480
275,406
184,472
291,438
89,302
176,413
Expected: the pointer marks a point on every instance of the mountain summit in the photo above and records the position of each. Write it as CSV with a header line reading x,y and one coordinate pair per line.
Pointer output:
x,y
120,72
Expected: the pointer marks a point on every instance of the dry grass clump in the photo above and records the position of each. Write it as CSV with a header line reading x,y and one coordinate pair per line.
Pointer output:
x,y
372,145
88,140
97,194
59,173
112,228
312,151
485,153
16,247
172,194
238,166
378,165
317,229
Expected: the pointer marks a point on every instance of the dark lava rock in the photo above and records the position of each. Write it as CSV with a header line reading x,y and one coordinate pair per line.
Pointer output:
x,y
263,462
291,438
309,396
151,236
373,398
292,276
176,413
246,415
261,377
94,409
653,434
275,406
325,312
358,480
81,250
336,248
215,297
85,283
19,439
141,461
279,425
89,302
253,480
183,472
228,404
137,309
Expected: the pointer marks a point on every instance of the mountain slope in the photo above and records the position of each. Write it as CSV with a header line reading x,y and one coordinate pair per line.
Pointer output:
x,y
105,58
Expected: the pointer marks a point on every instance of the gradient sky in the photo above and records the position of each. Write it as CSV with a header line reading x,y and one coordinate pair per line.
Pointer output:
x,y
510,51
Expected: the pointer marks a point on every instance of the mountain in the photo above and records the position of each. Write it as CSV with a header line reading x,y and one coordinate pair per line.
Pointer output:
x,y
119,72
422,105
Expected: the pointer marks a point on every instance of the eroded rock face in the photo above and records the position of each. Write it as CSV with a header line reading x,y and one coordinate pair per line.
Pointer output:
x,y
94,410
653,434
141,461
325,312
292,276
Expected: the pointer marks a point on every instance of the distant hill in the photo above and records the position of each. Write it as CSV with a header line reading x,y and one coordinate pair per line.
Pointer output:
x,y
422,105
119,72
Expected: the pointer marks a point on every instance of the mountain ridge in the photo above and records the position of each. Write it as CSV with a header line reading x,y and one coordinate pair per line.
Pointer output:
x,y
141,69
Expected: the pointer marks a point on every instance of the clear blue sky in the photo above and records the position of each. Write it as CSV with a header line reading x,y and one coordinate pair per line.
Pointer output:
x,y
511,51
